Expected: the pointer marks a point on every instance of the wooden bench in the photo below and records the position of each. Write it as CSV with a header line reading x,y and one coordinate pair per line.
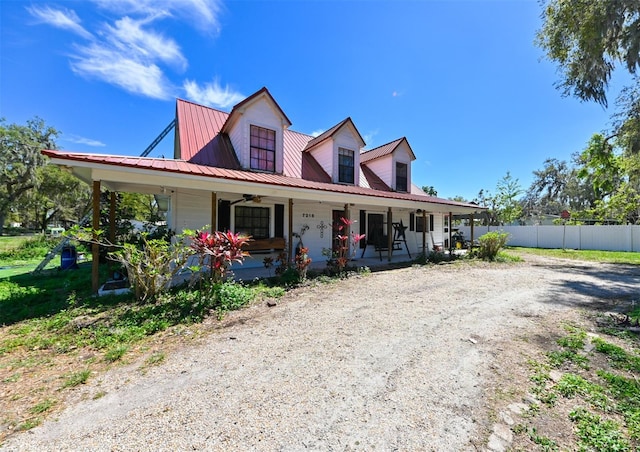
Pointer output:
x,y
266,245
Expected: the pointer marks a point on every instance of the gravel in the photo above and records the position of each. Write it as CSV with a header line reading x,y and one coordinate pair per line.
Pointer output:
x,y
395,360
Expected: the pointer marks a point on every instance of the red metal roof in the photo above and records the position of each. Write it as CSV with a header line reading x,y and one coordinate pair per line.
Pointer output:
x,y
329,133
192,169
373,180
199,137
383,150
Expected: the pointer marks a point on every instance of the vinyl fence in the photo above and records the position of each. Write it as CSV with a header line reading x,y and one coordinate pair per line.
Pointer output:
x,y
606,238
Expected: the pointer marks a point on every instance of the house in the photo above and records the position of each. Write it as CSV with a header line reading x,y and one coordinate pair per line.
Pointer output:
x,y
246,171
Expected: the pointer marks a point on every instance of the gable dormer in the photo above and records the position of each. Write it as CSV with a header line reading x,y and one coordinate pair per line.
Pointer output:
x,y
256,127
391,162
337,151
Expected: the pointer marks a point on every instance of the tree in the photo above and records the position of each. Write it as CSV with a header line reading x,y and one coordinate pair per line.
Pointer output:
x,y
588,39
20,158
430,190
59,197
507,199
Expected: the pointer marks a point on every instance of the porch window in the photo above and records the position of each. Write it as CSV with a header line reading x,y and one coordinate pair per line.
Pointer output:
x,y
401,176
253,221
420,226
345,166
263,149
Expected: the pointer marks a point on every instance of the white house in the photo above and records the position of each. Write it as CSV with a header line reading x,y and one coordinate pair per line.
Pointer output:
x,y
246,171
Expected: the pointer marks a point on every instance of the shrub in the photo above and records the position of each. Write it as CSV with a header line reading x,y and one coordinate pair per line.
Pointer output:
x,y
218,250
491,243
152,266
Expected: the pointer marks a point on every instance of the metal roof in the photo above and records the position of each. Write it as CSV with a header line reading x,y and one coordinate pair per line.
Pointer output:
x,y
329,133
385,149
191,169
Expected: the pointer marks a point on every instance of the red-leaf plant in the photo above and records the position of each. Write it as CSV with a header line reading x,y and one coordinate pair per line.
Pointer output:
x,y
219,250
347,243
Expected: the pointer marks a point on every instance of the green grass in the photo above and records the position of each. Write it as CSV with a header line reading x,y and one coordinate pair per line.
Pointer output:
x,y
606,395
614,257
76,378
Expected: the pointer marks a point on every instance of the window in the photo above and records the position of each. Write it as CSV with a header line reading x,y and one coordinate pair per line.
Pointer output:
x,y
401,176
345,166
253,221
263,149
420,226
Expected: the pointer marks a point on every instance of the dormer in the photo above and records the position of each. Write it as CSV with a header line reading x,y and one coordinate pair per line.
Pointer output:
x,y
338,152
391,162
255,127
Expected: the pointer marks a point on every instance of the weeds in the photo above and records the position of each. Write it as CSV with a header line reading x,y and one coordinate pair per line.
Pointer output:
x,y
76,378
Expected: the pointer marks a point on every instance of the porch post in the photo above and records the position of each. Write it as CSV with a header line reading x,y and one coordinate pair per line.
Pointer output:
x,y
290,231
214,211
471,217
347,231
112,217
389,232
450,231
424,232
95,249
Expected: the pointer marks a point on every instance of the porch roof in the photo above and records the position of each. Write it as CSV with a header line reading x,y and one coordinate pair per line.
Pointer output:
x,y
174,168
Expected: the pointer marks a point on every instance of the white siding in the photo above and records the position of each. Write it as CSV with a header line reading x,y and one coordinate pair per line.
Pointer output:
x,y
193,209
324,156
259,114
383,167
346,139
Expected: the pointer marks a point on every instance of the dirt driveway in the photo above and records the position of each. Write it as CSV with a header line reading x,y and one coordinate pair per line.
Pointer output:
x,y
404,359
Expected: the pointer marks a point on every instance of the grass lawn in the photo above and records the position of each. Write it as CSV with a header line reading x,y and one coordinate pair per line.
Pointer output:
x,y
613,257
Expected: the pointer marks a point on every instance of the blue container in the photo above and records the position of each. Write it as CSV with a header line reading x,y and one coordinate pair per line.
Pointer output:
x,y
68,257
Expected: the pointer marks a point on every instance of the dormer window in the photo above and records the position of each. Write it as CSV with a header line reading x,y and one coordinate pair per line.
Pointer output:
x,y
263,149
401,176
346,166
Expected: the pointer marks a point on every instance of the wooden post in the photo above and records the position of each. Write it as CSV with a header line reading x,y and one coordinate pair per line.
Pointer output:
x,y
450,231
95,249
389,234
112,217
347,230
424,232
290,232
214,211
471,218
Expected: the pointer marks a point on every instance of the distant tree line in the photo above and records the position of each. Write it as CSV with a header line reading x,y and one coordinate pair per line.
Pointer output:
x,y
35,194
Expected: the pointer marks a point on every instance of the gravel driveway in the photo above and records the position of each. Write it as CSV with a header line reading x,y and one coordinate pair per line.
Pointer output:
x,y
395,360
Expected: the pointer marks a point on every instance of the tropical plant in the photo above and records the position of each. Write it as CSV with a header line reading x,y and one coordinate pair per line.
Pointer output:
x,y
219,250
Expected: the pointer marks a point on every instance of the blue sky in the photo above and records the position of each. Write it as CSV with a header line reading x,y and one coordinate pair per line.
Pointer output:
x,y
462,80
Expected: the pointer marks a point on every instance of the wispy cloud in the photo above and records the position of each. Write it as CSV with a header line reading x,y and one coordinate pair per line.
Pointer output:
x,y
60,18
369,138
82,140
317,133
212,94
130,53
129,38
129,73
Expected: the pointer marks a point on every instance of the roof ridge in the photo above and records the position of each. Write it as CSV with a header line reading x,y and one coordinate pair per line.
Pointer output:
x,y
201,105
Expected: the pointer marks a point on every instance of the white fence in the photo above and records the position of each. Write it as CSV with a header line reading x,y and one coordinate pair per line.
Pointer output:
x,y
609,238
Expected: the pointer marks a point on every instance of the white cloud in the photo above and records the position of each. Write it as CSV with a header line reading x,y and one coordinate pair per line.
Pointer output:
x,y
212,94
317,133
82,140
369,138
64,19
115,67
203,14
128,37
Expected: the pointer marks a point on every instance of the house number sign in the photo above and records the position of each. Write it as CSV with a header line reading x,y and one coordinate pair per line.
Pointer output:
x,y
308,215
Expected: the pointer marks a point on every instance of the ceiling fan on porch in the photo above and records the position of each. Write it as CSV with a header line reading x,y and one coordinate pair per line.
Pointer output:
x,y
248,198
